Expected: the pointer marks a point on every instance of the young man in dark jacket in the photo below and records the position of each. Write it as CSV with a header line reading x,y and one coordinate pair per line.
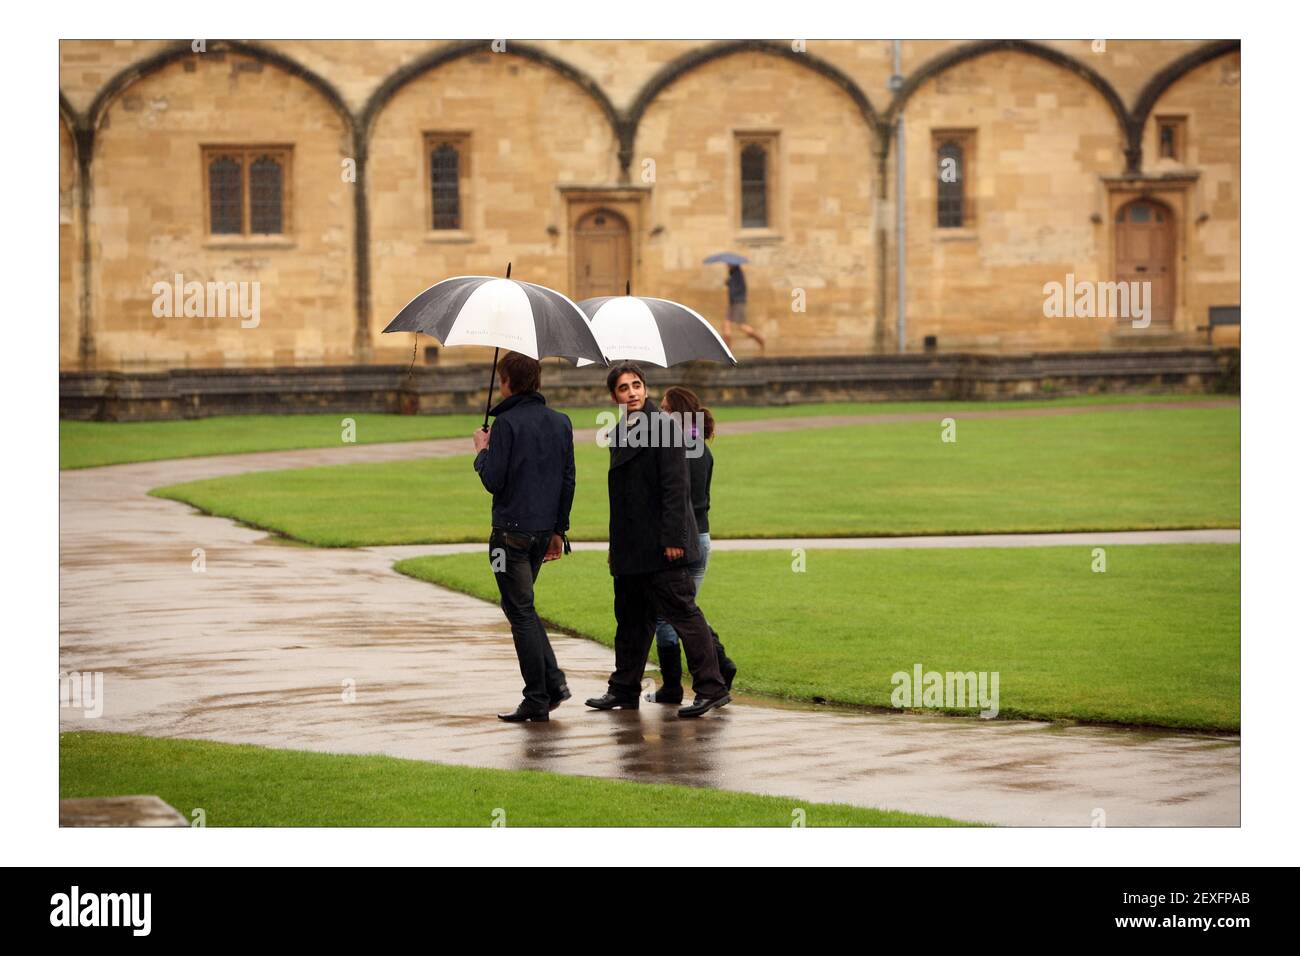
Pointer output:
x,y
652,538
526,461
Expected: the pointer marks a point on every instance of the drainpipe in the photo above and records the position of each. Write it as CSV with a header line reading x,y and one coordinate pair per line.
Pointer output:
x,y
900,238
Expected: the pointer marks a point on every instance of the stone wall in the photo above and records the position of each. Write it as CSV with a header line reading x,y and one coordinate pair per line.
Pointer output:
x,y
1052,164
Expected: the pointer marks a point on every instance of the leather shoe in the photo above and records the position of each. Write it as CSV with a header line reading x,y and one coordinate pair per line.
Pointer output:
x,y
523,713
704,704
558,697
610,702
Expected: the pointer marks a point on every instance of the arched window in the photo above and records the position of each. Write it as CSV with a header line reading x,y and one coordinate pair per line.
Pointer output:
x,y
226,195
266,195
753,187
951,185
444,168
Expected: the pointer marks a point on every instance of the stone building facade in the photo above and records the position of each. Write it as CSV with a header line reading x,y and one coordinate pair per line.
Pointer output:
x,y
339,178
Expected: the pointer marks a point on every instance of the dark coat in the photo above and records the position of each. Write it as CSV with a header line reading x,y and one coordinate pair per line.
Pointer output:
x,y
528,466
735,285
649,502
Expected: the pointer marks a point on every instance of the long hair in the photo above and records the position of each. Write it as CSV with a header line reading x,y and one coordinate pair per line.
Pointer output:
x,y
684,401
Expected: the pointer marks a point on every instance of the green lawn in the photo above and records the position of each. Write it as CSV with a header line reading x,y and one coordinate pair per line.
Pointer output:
x,y
1154,640
1167,468
87,444
246,786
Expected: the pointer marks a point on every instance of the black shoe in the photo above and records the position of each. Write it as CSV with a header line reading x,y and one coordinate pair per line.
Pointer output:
x,y
610,702
665,695
558,697
704,704
525,712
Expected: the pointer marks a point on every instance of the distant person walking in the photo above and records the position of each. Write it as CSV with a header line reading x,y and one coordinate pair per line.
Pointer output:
x,y
684,405
526,461
736,296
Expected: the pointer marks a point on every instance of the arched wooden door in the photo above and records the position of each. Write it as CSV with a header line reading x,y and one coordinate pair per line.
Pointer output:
x,y
602,254
1144,252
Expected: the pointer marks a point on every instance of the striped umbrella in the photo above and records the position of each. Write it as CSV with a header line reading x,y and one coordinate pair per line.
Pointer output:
x,y
504,313
641,329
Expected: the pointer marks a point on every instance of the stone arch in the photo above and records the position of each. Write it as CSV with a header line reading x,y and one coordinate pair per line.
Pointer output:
x,y
970,51
1162,81
70,118
385,93
155,115
454,51
126,77
695,59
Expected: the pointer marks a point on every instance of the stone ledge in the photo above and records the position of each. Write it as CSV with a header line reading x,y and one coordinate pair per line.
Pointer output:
x,y
200,393
133,811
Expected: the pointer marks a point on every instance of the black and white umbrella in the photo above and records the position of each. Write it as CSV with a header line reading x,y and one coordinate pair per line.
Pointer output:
x,y
504,313
658,331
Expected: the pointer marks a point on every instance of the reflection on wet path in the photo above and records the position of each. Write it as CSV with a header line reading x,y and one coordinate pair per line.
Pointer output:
x,y
329,649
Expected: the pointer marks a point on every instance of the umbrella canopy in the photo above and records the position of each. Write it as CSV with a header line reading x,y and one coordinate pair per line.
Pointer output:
x,y
730,258
642,329
506,313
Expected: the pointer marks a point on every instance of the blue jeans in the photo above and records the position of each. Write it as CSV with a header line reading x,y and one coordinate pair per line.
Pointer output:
x,y
664,633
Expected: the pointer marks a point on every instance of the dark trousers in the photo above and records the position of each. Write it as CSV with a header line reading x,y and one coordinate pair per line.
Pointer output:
x,y
516,558
638,600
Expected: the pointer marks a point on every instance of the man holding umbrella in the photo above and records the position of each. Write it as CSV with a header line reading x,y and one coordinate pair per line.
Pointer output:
x,y
526,462
527,459
652,538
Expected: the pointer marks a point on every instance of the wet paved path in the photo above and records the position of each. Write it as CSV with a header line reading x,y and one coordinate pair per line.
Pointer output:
x,y
257,649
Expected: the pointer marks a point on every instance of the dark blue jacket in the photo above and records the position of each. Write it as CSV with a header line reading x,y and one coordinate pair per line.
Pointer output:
x,y
528,465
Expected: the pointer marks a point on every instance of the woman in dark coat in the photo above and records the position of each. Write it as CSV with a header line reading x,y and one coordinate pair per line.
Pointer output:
x,y
685,405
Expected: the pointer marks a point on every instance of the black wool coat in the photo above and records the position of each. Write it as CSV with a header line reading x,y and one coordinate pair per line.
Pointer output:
x,y
649,499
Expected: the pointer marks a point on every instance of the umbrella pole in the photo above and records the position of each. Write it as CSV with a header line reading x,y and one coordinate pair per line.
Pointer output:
x,y
492,380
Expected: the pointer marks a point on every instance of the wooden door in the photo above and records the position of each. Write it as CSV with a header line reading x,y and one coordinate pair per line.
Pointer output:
x,y
602,252
1144,252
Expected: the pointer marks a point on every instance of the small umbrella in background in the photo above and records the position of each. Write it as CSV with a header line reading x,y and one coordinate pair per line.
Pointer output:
x,y
657,331
730,258
505,313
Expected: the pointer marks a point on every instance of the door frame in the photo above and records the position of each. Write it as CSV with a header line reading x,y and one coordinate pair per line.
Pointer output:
x,y
1174,191
627,201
